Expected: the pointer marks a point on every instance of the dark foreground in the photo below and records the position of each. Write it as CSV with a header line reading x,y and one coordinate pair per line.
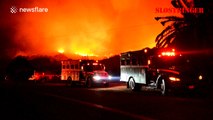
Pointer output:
x,y
27,101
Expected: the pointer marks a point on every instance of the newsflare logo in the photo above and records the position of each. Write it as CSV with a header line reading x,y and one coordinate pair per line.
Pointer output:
x,y
13,9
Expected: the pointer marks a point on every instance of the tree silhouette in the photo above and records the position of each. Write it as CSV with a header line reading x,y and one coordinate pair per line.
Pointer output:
x,y
46,64
19,69
191,31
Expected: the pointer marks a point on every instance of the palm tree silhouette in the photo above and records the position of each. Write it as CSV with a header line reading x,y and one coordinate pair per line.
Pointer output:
x,y
191,31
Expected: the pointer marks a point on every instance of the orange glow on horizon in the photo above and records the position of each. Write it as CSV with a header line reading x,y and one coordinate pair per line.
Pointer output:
x,y
89,28
61,51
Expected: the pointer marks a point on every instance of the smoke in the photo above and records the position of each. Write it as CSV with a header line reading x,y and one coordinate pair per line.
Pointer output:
x,y
86,27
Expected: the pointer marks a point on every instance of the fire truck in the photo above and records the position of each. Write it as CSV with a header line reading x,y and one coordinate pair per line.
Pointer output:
x,y
84,72
166,70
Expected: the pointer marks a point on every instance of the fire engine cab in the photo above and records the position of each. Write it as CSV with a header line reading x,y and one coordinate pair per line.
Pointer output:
x,y
86,72
165,70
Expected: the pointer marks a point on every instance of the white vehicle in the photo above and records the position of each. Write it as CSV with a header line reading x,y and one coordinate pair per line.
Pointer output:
x,y
133,69
86,72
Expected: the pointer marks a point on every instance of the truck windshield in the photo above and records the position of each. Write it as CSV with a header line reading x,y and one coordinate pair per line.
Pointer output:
x,y
90,68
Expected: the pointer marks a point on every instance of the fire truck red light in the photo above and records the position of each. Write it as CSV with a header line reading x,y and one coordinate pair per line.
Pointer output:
x,y
168,53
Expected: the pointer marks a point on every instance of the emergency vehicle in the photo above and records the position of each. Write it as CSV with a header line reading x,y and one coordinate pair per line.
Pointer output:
x,y
166,70
84,72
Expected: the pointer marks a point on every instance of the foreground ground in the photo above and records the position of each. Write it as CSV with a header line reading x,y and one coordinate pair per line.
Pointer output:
x,y
56,101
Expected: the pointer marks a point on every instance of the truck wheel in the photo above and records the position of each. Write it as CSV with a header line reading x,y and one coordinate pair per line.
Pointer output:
x,y
133,86
69,81
163,87
89,83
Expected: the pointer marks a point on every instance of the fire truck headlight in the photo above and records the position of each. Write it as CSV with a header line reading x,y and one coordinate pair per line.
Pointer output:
x,y
97,77
175,79
109,77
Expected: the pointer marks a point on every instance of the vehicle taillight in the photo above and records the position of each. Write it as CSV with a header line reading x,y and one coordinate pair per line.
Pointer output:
x,y
95,63
200,77
149,62
174,79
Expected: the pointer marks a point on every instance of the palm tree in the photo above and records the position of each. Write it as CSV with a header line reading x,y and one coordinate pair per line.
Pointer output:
x,y
191,31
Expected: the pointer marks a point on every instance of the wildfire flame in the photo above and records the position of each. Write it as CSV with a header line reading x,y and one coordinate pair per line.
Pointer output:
x,y
87,28
61,51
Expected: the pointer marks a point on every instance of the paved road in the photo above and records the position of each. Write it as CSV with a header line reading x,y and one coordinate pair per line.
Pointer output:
x,y
58,102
